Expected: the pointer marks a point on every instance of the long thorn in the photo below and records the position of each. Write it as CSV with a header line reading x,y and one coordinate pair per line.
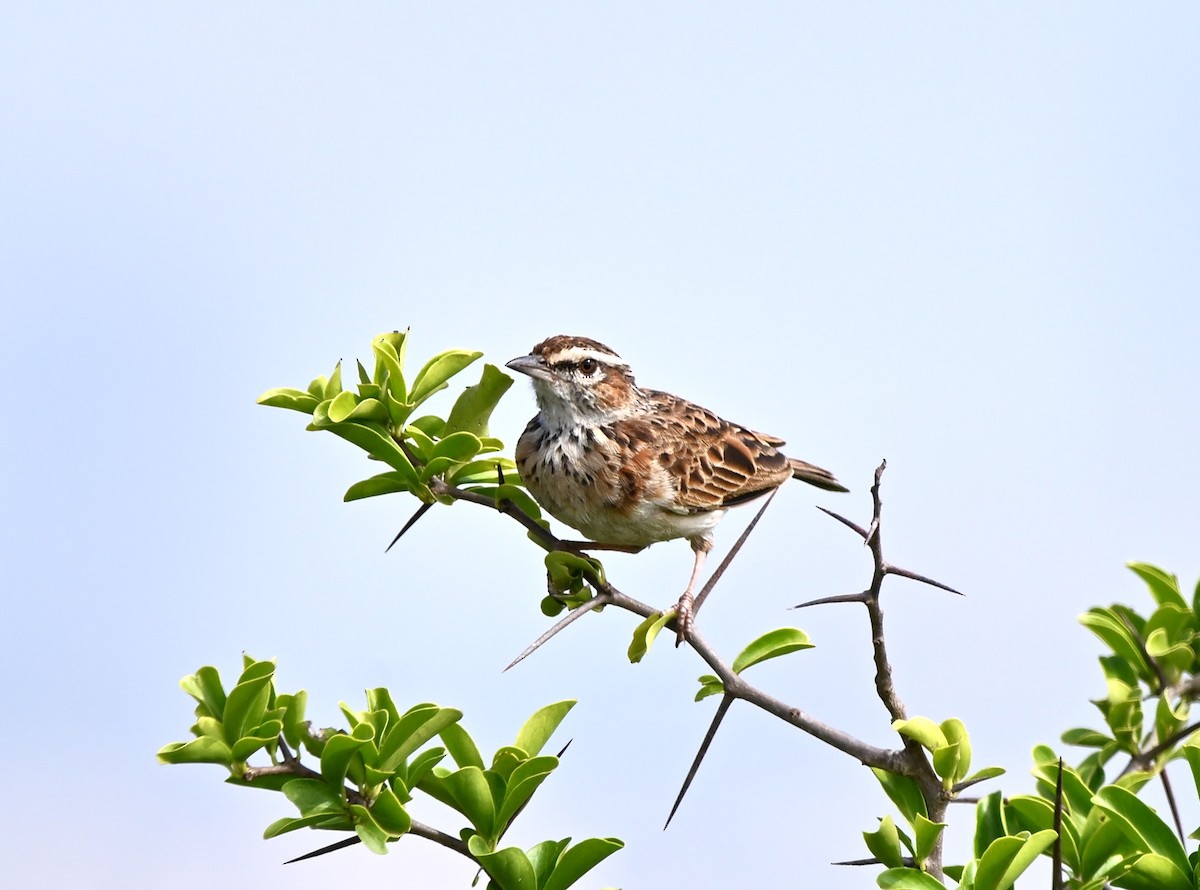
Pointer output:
x,y
339,845
722,709
421,511
716,576
841,598
905,573
600,599
862,532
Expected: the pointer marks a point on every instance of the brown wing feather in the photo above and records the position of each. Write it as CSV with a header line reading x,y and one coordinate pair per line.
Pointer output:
x,y
715,463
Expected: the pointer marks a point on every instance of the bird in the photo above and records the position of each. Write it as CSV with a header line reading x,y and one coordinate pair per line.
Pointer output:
x,y
629,467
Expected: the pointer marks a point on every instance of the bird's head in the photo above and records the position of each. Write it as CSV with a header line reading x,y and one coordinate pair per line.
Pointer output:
x,y
578,380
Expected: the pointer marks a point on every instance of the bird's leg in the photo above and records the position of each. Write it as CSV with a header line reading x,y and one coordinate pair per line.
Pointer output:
x,y
684,611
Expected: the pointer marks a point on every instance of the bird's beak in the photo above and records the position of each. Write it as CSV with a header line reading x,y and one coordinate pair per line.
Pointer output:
x,y
531,365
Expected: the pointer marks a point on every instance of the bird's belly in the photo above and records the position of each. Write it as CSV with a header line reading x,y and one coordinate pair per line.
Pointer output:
x,y
646,523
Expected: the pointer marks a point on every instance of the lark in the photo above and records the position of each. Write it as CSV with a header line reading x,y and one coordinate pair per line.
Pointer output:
x,y
629,467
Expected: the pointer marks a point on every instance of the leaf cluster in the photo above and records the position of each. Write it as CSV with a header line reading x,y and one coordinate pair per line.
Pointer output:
x,y
376,415
368,773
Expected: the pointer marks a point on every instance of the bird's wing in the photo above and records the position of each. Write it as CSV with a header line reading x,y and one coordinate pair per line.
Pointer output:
x,y
713,463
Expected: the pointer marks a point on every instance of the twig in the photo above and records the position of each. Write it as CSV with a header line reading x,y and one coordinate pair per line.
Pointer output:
x,y
1174,806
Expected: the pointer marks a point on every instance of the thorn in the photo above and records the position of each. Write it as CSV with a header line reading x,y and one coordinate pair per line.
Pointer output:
x,y
842,598
905,573
862,532
722,709
716,576
600,599
872,530
340,845
421,511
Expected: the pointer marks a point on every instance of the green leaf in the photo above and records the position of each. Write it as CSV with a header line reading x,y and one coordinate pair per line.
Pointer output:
x,y
458,447
374,439
340,749
537,730
294,727
292,823
710,684
389,363
568,570
925,835
247,702
410,734
316,387
461,746
1164,587
255,739
1085,738
523,782
473,408
438,370
1107,625
509,868
205,687
904,792
473,798
579,860
293,399
342,405
884,843
390,814
544,857
369,831
945,764
484,471
908,879
988,772
1144,827
923,731
771,645
956,733
421,765
644,634
1007,857
989,822
384,483
333,386
313,797
201,750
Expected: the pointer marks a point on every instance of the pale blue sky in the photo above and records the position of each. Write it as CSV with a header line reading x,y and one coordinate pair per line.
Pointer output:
x,y
964,238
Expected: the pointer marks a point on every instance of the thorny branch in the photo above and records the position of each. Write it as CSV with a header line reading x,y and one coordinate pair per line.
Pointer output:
x,y
910,761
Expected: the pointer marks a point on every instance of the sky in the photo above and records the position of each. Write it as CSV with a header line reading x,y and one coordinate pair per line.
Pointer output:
x,y
959,237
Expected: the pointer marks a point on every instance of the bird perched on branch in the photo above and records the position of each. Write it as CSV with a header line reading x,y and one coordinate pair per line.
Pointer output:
x,y
628,466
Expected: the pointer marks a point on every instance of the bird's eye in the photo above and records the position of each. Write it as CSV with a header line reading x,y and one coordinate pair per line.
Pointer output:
x,y
588,366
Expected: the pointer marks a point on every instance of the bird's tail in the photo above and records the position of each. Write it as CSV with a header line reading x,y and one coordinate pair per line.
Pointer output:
x,y
815,475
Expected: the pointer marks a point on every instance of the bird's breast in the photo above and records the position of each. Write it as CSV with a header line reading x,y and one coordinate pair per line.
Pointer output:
x,y
612,493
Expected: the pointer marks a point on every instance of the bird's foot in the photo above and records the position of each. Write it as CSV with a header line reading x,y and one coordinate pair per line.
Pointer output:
x,y
685,617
